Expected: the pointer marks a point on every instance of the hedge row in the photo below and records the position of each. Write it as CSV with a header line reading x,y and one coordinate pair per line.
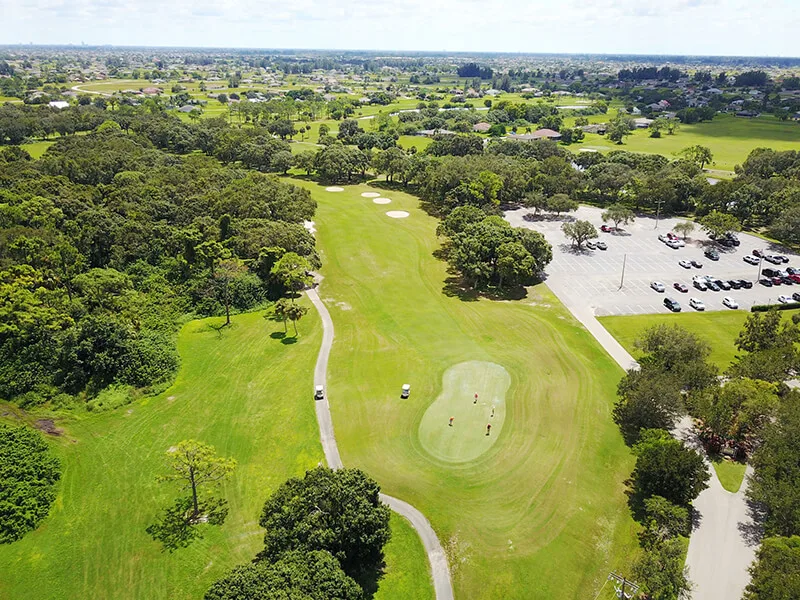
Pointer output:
x,y
766,307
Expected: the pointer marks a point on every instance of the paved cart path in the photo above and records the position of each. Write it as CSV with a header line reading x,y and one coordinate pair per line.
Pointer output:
x,y
723,545
440,570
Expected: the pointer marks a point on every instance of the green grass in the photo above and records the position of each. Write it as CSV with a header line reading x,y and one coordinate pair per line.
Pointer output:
x,y
729,472
37,149
244,392
542,512
718,328
408,574
730,139
414,141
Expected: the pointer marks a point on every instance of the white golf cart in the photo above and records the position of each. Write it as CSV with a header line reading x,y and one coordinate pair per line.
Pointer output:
x,y
406,390
319,392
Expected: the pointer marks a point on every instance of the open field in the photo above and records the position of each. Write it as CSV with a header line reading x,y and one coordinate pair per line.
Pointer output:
x,y
240,390
36,149
541,512
718,328
730,139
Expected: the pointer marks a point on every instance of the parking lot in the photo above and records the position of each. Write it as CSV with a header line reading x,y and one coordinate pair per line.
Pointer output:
x,y
594,278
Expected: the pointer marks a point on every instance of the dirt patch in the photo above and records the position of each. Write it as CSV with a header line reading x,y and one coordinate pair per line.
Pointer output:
x,y
171,398
48,426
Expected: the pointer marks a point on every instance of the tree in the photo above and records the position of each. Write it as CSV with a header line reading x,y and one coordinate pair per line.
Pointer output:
x,y
281,311
675,350
661,573
514,263
786,226
535,200
197,468
305,160
658,125
579,232
618,213
767,331
336,511
665,467
700,155
718,224
663,521
281,161
648,399
295,312
773,575
739,408
775,483
292,271
227,271
684,228
619,128
28,474
314,575
561,203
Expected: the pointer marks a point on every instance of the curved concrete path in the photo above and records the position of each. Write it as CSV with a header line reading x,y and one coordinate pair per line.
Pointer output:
x,y
723,543
440,570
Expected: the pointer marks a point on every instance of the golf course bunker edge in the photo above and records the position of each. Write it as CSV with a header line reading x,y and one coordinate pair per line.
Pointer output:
x,y
466,438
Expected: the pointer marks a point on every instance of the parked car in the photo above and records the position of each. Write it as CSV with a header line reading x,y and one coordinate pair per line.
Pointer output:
x,y
758,253
784,299
672,305
787,281
663,238
700,285
712,286
795,278
733,238
781,257
773,259
745,284
657,286
685,264
792,271
591,245
697,264
765,282
674,244
697,304
681,287
753,260
776,281
730,302
796,296
672,236
770,272
712,254
723,285
734,283
606,229
601,246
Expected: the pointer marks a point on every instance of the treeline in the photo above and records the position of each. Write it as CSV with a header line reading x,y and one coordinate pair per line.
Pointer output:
x,y
642,73
107,243
748,412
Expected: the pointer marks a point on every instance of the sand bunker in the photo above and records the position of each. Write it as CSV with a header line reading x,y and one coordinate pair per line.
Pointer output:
x,y
381,200
397,214
370,195
333,188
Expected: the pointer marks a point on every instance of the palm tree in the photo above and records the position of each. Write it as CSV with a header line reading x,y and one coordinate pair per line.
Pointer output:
x,y
281,311
295,312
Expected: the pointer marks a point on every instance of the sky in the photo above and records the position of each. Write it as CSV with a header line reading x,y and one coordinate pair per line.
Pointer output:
x,y
693,27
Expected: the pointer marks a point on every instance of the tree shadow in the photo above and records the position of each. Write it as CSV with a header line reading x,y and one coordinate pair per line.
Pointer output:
x,y
574,250
278,335
753,531
394,186
289,340
218,328
454,286
696,517
369,580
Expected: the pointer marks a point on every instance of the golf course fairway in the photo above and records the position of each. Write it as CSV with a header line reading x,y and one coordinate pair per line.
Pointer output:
x,y
540,510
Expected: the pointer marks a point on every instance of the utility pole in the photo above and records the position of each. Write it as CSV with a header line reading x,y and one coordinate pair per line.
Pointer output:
x,y
625,582
658,213
622,279
760,262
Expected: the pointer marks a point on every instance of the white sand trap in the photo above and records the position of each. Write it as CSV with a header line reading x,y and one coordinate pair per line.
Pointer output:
x,y
310,226
333,188
381,200
397,214
370,195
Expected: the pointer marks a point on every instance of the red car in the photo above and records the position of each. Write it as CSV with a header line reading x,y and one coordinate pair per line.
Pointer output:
x,y
776,281
795,278
606,228
758,253
680,287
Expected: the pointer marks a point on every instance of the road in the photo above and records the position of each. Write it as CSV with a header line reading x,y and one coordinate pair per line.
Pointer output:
x,y
440,571
725,539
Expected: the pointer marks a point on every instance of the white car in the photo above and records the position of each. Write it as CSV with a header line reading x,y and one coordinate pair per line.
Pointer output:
x,y
663,238
697,304
753,260
680,243
784,299
591,245
685,264
657,286
730,302
674,244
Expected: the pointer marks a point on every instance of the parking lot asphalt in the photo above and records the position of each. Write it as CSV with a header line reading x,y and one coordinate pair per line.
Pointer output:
x,y
594,278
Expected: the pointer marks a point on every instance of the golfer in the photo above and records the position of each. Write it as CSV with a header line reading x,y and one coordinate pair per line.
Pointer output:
x,y
451,421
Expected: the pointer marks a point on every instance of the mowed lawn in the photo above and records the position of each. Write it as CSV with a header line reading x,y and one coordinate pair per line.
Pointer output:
x,y
541,512
730,139
240,390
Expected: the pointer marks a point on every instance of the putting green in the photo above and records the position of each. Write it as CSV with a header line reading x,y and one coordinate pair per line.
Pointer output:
x,y
466,439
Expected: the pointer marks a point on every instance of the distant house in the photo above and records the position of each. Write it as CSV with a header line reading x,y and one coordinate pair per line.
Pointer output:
x,y
539,134
152,91
598,128
187,108
747,113
481,127
642,123
59,104
433,132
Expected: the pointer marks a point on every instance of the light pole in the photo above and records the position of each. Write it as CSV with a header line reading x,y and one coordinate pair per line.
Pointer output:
x,y
760,262
622,279
658,213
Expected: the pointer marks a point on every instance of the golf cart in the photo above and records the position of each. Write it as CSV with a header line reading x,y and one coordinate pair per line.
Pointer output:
x,y
319,392
406,390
